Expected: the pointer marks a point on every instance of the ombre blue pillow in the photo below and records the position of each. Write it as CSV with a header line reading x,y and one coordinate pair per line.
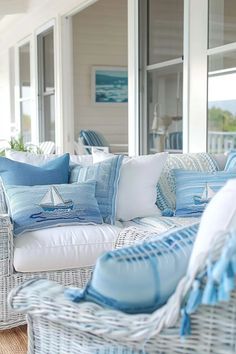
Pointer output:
x,y
195,189
55,171
231,161
106,174
38,207
140,278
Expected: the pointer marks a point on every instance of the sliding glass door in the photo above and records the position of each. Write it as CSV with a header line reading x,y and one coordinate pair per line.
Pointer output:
x,y
221,76
161,58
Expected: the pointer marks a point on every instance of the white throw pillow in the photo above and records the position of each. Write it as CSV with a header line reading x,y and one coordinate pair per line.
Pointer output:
x,y
39,159
218,217
137,186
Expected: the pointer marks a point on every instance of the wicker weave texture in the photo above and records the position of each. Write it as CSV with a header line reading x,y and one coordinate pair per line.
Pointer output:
x,y
58,326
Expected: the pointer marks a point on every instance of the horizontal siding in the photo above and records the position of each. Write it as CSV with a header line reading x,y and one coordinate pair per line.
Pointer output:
x,y
100,39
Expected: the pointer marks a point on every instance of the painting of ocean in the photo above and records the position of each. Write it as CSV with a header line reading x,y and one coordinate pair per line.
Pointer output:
x,y
110,85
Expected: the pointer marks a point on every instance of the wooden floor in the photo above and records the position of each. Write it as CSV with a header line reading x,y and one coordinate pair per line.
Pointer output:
x,y
13,341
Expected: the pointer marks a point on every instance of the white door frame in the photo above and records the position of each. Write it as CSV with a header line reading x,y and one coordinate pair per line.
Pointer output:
x,y
28,39
66,75
133,78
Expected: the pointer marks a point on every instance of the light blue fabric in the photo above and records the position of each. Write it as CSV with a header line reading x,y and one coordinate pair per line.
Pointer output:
x,y
214,284
106,174
140,278
55,171
231,161
191,186
27,213
166,187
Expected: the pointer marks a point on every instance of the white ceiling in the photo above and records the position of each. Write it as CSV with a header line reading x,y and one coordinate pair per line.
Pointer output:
x,y
9,7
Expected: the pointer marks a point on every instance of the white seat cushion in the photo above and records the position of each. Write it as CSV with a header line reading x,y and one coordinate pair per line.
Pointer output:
x,y
63,247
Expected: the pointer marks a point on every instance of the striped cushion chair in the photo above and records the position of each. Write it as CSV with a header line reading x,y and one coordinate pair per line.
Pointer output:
x,y
92,139
47,147
175,141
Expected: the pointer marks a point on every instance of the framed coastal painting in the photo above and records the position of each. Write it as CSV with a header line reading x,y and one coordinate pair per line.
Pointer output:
x,y
109,85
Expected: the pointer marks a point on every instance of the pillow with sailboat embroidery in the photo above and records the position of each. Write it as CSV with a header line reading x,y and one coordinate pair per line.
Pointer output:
x,y
195,189
44,206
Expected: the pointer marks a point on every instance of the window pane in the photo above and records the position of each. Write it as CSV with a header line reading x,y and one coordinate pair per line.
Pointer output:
x,y
25,113
165,88
48,61
49,117
165,30
24,70
222,24
222,102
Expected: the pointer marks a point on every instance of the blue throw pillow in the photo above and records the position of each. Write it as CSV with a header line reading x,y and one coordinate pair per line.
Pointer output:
x,y
38,207
55,171
195,189
106,174
140,278
231,161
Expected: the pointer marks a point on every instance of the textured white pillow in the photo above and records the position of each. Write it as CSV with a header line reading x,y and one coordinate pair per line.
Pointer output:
x,y
218,217
39,159
137,186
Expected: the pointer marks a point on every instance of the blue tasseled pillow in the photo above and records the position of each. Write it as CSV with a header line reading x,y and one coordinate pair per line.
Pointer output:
x,y
140,278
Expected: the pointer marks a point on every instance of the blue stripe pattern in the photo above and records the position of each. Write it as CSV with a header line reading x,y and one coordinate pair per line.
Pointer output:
x,y
106,174
175,141
166,187
190,186
28,215
140,278
231,161
92,138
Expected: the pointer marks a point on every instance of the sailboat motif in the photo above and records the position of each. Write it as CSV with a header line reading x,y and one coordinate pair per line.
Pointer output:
x,y
53,201
207,195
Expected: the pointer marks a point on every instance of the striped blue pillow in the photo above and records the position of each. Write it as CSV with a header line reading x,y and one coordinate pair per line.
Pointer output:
x,y
140,278
166,187
30,211
106,174
231,161
195,189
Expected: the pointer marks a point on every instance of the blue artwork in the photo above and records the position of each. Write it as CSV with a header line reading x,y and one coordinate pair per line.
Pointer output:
x,y
111,85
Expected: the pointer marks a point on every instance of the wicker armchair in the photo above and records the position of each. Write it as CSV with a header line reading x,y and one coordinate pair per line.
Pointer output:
x,y
58,326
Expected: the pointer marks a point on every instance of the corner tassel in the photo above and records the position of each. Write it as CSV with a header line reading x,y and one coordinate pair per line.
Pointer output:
x,y
228,278
210,293
74,294
234,264
185,327
220,267
195,298
167,212
222,294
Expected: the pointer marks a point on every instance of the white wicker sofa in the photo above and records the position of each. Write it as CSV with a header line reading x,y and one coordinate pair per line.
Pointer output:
x,y
10,278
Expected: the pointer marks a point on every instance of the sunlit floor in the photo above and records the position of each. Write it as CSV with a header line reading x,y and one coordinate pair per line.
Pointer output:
x,y
14,341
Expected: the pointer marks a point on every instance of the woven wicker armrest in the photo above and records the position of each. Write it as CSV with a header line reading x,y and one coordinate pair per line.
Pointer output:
x,y
41,298
6,245
46,306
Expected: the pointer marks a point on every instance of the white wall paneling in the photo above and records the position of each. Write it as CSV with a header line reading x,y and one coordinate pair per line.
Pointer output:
x,y
99,39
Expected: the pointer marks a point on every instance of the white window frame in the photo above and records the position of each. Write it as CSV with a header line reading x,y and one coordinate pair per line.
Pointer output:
x,y
31,98
49,24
